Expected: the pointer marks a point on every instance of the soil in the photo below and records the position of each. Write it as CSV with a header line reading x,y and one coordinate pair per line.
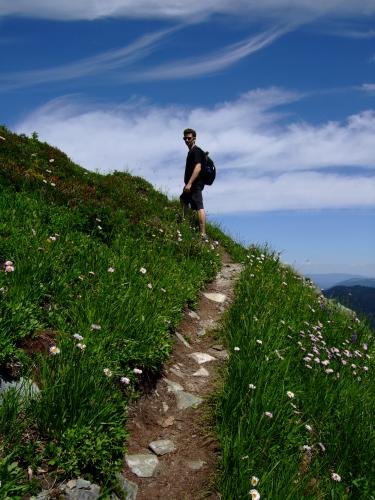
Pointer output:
x,y
189,471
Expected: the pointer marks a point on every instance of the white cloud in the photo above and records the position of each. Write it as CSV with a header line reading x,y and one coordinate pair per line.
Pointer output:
x,y
291,191
214,62
99,64
368,87
356,34
263,162
181,9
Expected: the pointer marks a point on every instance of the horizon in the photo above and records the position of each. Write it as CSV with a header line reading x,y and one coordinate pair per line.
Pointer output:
x,y
283,98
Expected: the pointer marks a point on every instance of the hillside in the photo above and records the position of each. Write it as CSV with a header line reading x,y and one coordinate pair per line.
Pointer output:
x,y
96,272
328,280
360,299
367,282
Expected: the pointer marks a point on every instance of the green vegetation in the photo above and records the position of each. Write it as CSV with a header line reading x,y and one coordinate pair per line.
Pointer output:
x,y
298,397
95,273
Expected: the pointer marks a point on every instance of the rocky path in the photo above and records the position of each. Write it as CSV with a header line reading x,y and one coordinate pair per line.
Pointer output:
x,y
171,453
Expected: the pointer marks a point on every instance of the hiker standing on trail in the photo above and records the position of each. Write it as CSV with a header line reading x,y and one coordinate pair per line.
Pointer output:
x,y
192,193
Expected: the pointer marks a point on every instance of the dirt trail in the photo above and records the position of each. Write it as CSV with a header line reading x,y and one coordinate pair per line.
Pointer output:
x,y
165,413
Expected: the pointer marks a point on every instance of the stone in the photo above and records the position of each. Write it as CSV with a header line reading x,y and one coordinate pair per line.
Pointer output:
x,y
216,297
194,315
130,489
173,386
202,372
25,387
220,354
43,495
176,372
82,490
195,464
166,422
82,484
186,400
183,340
143,464
162,446
201,357
218,347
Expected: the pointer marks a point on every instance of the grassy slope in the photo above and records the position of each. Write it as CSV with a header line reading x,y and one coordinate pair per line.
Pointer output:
x,y
284,337
64,228
63,238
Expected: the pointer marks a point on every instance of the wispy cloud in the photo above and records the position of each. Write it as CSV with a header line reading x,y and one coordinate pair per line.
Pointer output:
x,y
212,63
365,34
263,162
368,87
181,9
113,63
87,67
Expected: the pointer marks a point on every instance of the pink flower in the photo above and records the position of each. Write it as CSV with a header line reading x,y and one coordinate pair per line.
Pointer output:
x,y
143,270
325,362
335,477
149,286
329,370
125,380
254,494
54,350
107,372
137,371
95,327
9,269
111,270
344,362
81,346
77,336
8,263
365,368
236,349
268,414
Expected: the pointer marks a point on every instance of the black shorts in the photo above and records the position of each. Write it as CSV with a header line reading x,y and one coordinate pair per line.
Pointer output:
x,y
194,198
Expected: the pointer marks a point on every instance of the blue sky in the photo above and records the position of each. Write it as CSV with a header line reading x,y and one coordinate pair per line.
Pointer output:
x,y
281,95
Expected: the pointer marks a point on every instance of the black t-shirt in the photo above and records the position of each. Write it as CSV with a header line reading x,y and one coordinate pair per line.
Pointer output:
x,y
194,156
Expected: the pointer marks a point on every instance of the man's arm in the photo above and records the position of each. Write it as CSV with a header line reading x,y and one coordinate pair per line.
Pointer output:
x,y
194,176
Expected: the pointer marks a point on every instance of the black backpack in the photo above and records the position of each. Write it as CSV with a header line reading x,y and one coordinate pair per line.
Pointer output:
x,y
208,173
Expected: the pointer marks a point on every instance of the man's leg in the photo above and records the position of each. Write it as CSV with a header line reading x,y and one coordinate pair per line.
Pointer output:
x,y
202,221
184,200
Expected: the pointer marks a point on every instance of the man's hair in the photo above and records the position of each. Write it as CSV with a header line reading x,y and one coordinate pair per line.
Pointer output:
x,y
190,131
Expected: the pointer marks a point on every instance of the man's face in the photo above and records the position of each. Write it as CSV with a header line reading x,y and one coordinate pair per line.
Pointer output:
x,y
189,140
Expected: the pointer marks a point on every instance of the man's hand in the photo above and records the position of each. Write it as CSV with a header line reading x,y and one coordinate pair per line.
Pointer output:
x,y
187,187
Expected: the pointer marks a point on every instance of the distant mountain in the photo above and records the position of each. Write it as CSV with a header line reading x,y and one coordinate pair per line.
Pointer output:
x,y
329,280
367,282
360,299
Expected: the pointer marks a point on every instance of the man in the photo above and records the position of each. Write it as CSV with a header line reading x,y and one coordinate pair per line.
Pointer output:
x,y
192,193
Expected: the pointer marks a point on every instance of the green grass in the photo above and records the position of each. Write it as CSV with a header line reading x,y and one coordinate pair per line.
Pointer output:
x,y
105,262
279,331
78,249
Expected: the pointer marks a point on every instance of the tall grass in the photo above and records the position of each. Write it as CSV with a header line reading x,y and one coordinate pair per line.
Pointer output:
x,y
297,406
102,269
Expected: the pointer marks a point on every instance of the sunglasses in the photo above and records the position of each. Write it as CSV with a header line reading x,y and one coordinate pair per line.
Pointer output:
x,y
188,138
